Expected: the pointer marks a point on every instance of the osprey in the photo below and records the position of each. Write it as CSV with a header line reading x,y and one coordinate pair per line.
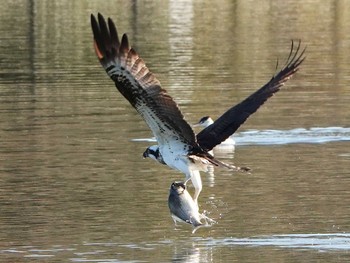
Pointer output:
x,y
178,146
220,131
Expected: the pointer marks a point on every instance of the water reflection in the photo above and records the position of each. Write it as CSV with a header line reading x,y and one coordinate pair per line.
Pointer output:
x,y
181,45
193,250
187,255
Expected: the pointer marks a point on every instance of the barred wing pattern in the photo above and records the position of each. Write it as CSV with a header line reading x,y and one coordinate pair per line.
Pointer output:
x,y
138,85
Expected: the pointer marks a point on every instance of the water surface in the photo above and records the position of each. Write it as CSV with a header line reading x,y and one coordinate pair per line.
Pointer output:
x,y
73,184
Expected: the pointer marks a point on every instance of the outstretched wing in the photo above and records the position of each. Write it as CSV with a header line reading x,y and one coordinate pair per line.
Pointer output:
x,y
232,119
138,85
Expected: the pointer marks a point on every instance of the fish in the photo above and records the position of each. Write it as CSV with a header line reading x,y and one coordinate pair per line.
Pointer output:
x,y
183,208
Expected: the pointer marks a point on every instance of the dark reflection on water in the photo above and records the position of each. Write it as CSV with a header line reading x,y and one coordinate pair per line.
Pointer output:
x,y
73,184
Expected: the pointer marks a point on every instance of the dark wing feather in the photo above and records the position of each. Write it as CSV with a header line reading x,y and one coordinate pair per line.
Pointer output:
x,y
232,119
138,85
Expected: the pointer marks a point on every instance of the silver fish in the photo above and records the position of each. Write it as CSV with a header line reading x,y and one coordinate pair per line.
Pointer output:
x,y
182,207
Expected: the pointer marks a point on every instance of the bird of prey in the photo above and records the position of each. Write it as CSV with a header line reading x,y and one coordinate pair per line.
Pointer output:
x,y
178,146
220,130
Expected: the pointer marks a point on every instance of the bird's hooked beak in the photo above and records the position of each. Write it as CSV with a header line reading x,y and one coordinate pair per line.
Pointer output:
x,y
145,153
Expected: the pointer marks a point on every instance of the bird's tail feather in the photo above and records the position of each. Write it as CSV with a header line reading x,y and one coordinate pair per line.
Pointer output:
x,y
218,163
229,166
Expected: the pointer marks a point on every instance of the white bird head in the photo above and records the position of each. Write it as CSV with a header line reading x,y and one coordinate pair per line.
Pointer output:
x,y
205,122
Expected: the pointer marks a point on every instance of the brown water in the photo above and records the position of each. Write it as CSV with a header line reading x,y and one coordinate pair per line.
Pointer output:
x,y
73,184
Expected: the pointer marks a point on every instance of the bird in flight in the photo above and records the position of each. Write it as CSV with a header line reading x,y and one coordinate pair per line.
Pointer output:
x,y
178,146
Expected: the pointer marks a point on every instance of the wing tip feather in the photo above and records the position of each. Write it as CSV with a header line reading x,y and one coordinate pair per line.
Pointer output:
x,y
98,51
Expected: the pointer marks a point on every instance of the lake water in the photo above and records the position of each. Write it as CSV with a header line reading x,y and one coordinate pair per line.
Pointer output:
x,y
73,184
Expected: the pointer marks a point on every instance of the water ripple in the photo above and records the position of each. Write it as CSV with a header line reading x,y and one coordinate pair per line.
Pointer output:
x,y
102,252
314,135
320,242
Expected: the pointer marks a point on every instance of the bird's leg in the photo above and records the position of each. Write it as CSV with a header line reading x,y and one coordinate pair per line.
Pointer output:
x,y
197,184
195,199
